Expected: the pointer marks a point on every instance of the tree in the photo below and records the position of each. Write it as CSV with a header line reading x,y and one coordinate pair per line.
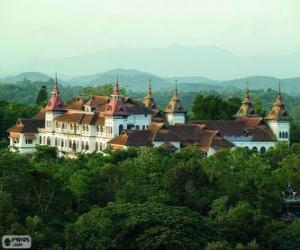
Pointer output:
x,y
104,89
139,226
213,107
42,96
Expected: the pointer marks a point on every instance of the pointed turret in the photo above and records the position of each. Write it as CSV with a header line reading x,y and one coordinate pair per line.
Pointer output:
x,y
149,100
175,105
246,109
115,107
278,111
278,119
56,102
175,112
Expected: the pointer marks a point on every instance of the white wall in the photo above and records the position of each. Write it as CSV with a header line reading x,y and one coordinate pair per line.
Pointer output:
x,y
280,126
173,118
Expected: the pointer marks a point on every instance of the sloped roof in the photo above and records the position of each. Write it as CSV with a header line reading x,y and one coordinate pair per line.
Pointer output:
x,y
246,109
40,115
96,101
254,128
278,111
133,138
78,118
27,126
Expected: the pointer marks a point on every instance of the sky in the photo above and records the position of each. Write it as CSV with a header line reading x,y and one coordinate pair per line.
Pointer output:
x,y
36,29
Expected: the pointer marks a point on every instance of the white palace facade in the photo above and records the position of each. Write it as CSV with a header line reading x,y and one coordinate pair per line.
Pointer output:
x,y
88,125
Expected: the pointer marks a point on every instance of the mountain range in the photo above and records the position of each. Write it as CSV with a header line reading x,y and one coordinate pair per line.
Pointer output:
x,y
208,61
138,81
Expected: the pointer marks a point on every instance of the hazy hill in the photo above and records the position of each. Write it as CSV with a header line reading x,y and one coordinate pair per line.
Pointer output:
x,y
133,79
207,61
138,81
32,76
290,85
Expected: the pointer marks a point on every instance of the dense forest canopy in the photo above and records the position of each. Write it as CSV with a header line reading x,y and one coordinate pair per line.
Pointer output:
x,y
149,199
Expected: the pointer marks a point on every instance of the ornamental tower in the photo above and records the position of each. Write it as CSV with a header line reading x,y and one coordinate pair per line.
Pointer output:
x,y
54,108
278,119
115,113
246,109
175,112
149,100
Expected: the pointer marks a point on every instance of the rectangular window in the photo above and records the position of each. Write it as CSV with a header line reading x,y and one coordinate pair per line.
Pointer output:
x,y
28,141
137,127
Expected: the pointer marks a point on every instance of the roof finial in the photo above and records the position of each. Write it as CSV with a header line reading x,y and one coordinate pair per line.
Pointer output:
x,y
176,90
279,87
116,87
56,78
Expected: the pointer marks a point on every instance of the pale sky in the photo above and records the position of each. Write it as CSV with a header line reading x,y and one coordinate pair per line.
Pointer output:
x,y
31,29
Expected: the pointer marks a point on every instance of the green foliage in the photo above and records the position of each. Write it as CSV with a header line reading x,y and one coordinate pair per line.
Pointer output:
x,y
148,199
103,89
139,226
42,96
10,112
213,107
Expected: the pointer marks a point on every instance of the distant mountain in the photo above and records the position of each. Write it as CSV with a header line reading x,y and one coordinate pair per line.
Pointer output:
x,y
138,81
192,79
208,61
133,79
290,85
32,76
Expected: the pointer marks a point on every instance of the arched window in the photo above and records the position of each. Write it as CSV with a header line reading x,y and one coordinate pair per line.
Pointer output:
x,y
82,145
74,145
100,146
70,144
280,135
40,140
56,141
286,135
86,146
121,128
96,147
263,150
255,149
62,143
48,141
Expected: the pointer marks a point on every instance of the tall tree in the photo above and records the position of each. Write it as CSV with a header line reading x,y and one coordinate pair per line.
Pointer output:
x,y
42,96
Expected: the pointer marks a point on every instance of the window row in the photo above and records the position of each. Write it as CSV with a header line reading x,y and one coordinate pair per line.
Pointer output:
x,y
73,144
283,135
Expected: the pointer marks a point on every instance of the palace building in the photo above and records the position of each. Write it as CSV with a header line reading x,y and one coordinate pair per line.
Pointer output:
x,y
91,124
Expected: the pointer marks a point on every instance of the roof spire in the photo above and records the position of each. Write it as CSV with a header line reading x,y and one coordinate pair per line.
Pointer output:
x,y
56,78
247,91
116,87
176,90
278,111
175,105
246,109
55,103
